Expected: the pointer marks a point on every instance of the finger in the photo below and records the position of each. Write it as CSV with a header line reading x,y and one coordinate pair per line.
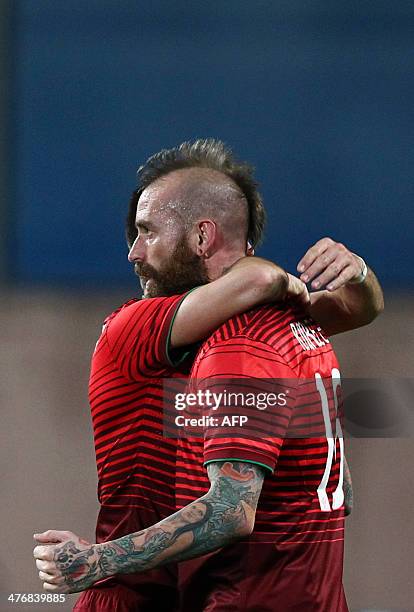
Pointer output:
x,y
297,290
44,552
60,588
319,265
52,536
52,579
46,566
341,280
305,298
358,265
55,588
295,285
331,273
315,251
343,259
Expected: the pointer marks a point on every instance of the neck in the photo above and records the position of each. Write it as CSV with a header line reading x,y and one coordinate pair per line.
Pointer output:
x,y
221,261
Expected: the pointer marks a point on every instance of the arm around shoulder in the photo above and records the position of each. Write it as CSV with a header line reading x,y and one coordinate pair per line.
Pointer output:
x,y
250,282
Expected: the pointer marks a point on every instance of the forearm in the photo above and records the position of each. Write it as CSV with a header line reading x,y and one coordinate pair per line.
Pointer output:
x,y
363,301
251,281
223,515
254,280
69,564
348,307
156,546
161,544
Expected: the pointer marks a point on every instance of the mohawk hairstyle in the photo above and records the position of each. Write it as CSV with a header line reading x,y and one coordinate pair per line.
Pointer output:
x,y
202,153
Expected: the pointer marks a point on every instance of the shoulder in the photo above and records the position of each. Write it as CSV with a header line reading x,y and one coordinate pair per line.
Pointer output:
x,y
247,344
151,307
142,324
119,309
261,326
277,336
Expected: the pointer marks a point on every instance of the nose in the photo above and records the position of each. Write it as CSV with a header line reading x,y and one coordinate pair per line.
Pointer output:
x,y
136,252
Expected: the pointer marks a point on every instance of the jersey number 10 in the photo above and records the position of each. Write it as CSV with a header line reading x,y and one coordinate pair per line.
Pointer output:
x,y
338,494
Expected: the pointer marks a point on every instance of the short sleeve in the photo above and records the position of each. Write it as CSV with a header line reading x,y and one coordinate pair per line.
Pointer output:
x,y
138,336
256,384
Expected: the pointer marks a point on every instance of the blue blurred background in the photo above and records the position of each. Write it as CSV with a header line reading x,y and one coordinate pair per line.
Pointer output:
x,y
318,96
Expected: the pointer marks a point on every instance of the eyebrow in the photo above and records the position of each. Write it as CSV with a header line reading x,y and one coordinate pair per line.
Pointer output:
x,y
145,224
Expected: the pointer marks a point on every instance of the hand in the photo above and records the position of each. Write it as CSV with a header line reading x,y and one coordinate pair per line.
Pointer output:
x,y
66,563
329,264
297,291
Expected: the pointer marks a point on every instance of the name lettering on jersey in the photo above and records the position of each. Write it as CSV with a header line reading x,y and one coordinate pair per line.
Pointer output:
x,y
308,337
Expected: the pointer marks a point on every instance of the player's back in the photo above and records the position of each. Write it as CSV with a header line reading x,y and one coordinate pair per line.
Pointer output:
x,y
293,559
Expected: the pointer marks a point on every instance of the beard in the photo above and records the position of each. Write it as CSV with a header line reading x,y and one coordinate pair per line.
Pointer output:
x,y
183,271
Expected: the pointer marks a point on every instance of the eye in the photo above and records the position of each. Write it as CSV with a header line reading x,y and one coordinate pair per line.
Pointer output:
x,y
142,230
145,231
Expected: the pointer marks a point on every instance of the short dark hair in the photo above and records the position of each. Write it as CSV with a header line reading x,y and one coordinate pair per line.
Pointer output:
x,y
202,153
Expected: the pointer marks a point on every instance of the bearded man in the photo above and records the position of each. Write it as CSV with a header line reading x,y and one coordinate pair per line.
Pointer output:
x,y
191,222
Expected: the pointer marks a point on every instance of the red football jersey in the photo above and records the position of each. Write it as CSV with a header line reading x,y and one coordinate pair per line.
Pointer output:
x,y
294,558
135,462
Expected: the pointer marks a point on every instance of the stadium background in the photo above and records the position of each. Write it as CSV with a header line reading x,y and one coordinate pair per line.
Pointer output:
x,y
318,96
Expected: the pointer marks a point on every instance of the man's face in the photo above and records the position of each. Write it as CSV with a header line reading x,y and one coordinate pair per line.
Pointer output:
x,y
194,513
163,258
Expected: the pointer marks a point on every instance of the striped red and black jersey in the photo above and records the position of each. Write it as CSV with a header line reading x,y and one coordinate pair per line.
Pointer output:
x,y
135,462
294,558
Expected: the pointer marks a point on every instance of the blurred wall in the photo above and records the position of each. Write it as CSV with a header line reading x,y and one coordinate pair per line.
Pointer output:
x,y
318,96
47,458
48,473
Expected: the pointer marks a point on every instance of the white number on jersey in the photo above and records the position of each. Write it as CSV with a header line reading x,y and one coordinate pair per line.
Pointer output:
x,y
338,494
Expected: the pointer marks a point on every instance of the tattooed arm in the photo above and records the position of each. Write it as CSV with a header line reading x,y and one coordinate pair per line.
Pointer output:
x,y
225,514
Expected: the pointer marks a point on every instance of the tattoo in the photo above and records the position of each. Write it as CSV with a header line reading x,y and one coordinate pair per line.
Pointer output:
x,y
223,515
79,567
348,490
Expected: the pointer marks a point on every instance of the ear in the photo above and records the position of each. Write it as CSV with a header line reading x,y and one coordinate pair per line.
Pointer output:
x,y
249,249
206,237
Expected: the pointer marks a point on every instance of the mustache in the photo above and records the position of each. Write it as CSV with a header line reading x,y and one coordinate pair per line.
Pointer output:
x,y
143,269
